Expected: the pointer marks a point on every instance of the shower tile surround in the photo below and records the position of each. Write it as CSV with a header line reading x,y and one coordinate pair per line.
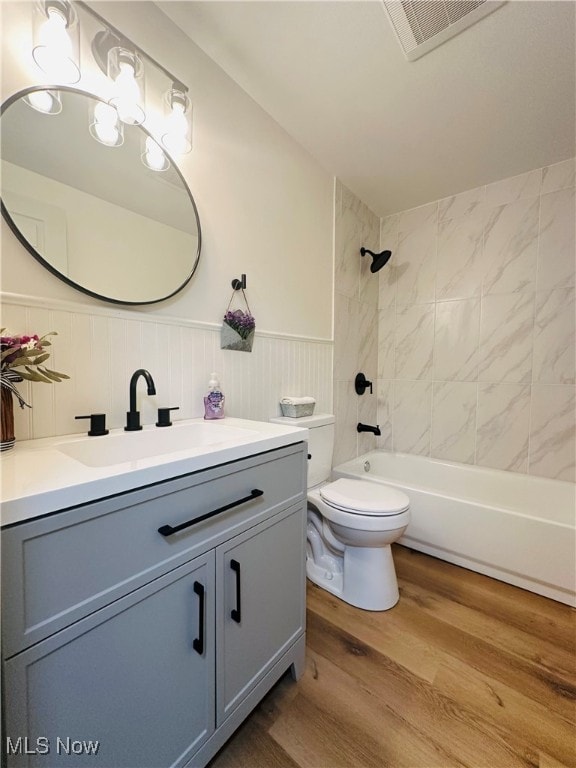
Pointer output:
x,y
476,332
355,322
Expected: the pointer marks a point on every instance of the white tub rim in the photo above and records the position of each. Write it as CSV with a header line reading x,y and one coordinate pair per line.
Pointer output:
x,y
553,484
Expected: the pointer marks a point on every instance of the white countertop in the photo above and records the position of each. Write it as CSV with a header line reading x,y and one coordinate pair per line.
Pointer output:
x,y
39,478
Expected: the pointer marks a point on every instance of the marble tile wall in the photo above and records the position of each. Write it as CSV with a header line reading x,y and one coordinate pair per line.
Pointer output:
x,y
476,321
355,323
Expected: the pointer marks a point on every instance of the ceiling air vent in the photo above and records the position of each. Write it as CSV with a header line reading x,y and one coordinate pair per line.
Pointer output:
x,y
422,25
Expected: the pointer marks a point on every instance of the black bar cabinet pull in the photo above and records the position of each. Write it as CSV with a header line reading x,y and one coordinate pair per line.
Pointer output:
x,y
235,613
198,642
168,530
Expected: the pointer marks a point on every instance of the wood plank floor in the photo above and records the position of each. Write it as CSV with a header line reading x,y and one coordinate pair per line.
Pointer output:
x,y
463,671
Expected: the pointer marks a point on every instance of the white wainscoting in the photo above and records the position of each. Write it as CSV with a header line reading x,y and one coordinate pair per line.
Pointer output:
x,y
100,348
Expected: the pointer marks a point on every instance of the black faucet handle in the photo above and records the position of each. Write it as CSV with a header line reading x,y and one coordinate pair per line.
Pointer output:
x,y
164,416
97,424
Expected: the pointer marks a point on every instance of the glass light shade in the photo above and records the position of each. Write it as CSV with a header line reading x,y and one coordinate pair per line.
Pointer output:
x,y
56,48
154,156
47,102
105,125
126,71
177,135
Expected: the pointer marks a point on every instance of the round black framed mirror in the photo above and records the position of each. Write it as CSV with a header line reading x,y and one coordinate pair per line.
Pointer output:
x,y
82,201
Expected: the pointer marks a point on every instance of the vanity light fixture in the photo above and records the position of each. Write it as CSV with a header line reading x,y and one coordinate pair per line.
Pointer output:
x,y
177,137
106,126
56,52
123,62
153,156
119,59
57,41
126,70
47,102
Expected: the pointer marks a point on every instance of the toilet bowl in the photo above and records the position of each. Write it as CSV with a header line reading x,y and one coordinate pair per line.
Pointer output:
x,y
351,525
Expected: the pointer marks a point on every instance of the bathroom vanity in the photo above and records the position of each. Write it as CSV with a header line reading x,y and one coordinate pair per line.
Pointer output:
x,y
141,626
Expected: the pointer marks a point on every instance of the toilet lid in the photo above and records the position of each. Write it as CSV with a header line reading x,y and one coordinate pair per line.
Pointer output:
x,y
364,498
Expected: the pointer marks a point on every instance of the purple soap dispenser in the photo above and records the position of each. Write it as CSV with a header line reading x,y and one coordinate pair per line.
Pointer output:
x,y
214,400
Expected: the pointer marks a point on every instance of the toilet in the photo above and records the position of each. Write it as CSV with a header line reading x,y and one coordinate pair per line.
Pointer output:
x,y
351,525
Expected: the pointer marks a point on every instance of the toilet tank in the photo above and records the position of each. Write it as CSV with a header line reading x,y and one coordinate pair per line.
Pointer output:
x,y
320,444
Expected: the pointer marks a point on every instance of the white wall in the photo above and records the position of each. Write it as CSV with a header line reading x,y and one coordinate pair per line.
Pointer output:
x,y
266,209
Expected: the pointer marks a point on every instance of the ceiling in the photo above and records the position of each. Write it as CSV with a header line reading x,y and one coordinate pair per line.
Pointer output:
x,y
494,101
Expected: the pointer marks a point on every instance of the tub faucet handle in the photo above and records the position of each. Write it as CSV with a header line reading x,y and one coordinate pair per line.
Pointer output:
x,y
361,384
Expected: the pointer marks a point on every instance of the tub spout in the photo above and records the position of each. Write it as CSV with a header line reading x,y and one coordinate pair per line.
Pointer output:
x,y
369,428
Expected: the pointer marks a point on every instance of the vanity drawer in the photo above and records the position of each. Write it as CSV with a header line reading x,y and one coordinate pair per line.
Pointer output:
x,y
63,567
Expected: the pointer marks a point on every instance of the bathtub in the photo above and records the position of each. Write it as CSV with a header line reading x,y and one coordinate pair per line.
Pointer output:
x,y
517,528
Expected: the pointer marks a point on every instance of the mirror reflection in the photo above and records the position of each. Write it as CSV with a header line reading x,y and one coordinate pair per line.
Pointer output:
x,y
84,203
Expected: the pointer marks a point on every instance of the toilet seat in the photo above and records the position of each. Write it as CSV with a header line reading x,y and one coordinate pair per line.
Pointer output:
x,y
363,498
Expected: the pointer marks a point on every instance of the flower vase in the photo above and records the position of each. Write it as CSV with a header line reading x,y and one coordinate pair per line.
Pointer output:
x,y
7,438
7,390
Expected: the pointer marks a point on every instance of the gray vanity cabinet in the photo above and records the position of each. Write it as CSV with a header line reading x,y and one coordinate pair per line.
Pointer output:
x,y
262,575
114,677
160,653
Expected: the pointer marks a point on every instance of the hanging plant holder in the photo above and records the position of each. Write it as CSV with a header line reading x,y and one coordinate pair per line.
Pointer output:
x,y
238,327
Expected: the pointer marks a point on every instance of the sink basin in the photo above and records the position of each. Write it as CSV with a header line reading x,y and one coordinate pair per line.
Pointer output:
x,y
122,447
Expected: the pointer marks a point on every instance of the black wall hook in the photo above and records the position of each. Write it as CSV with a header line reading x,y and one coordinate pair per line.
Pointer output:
x,y
239,284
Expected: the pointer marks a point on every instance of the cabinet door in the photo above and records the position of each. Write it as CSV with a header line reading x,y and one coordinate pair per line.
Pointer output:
x,y
261,574
137,677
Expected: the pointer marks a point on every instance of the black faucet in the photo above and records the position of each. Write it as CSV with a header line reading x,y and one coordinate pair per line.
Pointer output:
x,y
368,428
133,416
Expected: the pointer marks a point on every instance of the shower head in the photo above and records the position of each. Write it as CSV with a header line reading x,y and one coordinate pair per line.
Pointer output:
x,y
378,259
